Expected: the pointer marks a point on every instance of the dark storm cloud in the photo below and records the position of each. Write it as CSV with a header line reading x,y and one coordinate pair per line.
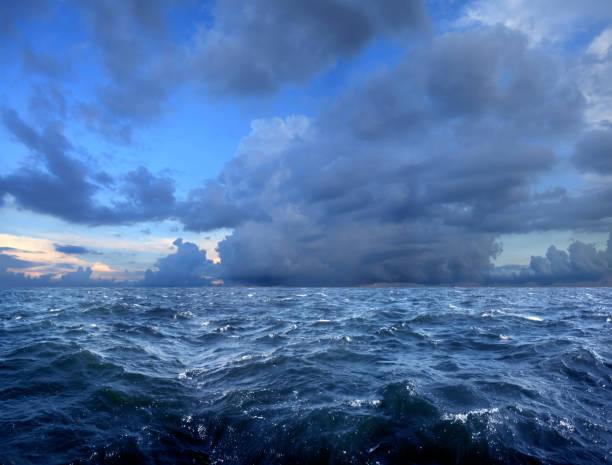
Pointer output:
x,y
188,266
62,185
409,177
594,152
257,46
581,263
360,252
209,207
72,249
478,84
147,197
61,189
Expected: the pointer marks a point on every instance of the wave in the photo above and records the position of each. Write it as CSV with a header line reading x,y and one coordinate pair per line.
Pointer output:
x,y
423,376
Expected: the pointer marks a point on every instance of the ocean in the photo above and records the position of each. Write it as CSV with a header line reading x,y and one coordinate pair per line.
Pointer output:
x,y
305,375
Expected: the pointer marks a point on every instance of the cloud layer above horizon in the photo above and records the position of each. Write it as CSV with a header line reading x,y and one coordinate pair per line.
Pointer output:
x,y
389,143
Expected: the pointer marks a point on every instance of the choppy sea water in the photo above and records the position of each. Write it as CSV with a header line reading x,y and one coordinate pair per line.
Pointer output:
x,y
268,375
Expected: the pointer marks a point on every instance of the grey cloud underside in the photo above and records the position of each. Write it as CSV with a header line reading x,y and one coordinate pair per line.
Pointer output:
x,y
256,47
594,152
399,149
72,249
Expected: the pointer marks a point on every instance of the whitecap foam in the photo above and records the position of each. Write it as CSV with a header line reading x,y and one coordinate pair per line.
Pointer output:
x,y
372,449
528,317
463,417
368,402
595,355
566,425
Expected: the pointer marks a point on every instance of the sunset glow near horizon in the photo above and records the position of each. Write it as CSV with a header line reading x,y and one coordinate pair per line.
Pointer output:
x,y
306,142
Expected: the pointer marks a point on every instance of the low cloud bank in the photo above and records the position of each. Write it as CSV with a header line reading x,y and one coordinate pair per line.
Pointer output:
x,y
580,264
188,266
79,278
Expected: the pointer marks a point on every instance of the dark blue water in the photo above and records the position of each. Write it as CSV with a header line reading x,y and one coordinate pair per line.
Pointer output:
x,y
183,376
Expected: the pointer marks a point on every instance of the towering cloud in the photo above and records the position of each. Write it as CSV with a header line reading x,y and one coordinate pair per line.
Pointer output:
x,y
407,178
581,263
188,266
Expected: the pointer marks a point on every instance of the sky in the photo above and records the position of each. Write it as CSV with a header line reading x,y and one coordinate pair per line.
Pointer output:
x,y
305,142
